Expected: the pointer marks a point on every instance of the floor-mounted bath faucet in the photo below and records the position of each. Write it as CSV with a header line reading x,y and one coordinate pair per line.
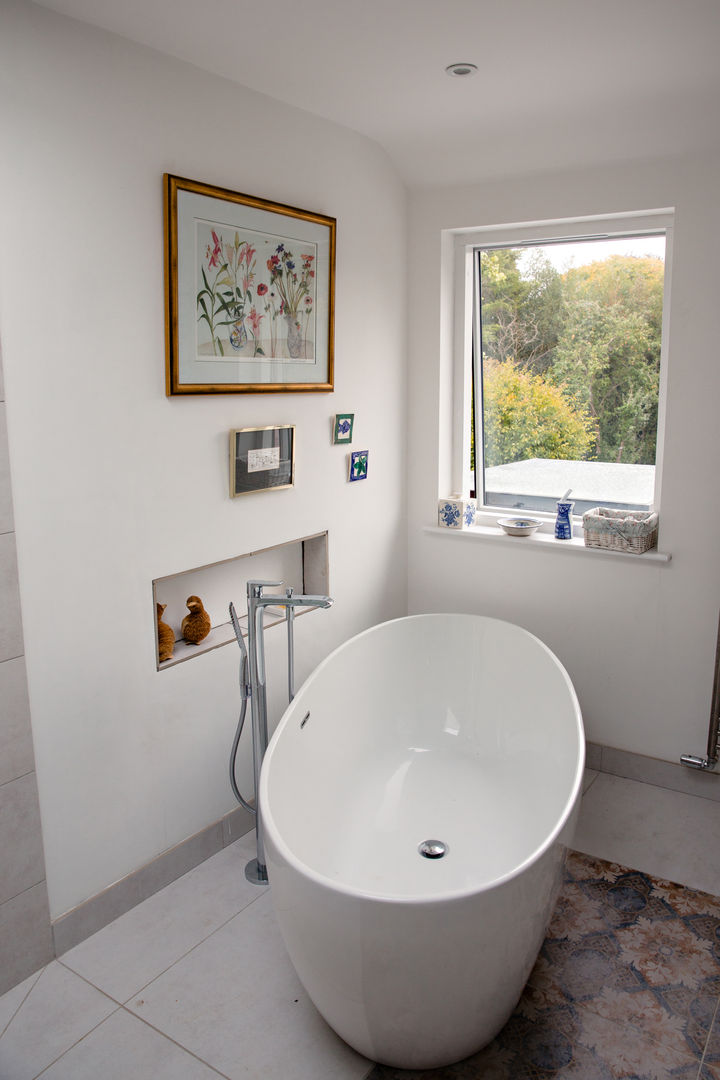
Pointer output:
x,y
257,601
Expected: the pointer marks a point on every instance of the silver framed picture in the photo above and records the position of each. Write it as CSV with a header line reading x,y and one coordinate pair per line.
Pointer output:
x,y
262,459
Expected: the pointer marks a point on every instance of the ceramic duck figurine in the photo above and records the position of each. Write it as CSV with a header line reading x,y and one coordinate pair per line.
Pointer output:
x,y
166,636
196,625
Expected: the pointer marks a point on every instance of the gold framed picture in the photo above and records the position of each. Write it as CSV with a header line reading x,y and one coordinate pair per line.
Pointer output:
x,y
249,293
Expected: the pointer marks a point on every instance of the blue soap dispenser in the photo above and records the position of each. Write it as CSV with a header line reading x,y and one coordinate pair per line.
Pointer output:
x,y
563,521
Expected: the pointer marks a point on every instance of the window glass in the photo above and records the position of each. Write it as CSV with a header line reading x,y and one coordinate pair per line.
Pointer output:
x,y
567,367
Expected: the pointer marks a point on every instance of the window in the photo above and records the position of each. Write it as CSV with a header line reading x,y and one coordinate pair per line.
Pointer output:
x,y
566,368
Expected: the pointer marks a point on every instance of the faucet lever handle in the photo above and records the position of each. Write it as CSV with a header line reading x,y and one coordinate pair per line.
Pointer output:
x,y
255,588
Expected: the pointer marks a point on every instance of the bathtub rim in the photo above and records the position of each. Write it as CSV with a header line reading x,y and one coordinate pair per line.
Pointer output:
x,y
288,857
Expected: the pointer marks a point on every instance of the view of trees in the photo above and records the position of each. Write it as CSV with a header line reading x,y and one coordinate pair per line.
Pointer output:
x,y
571,361
527,416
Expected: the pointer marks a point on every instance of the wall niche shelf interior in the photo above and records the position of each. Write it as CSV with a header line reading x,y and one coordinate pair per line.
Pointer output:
x,y
302,564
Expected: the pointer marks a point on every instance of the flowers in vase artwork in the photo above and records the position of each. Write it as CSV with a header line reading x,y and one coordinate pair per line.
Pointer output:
x,y
294,287
255,296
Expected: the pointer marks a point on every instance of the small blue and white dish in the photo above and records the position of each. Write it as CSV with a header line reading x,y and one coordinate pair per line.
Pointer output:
x,y
519,526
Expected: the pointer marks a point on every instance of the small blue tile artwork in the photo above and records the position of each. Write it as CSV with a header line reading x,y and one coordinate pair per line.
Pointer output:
x,y
358,465
343,427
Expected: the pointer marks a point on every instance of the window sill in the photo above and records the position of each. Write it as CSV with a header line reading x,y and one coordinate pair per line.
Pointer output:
x,y
545,541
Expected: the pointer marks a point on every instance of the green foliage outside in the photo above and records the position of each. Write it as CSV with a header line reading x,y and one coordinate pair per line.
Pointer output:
x,y
526,416
571,361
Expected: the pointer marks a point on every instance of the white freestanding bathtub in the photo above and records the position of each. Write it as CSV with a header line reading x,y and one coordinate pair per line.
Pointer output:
x,y
455,729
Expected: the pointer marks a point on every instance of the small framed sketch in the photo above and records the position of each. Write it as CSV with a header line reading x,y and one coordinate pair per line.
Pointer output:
x,y
343,427
358,465
262,459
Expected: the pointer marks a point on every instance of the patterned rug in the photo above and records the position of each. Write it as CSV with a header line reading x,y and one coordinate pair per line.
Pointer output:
x,y
626,987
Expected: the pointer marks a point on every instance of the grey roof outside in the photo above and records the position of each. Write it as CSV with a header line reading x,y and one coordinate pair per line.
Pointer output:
x,y
594,482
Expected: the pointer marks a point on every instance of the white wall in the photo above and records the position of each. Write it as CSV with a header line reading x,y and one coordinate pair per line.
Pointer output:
x,y
114,483
638,641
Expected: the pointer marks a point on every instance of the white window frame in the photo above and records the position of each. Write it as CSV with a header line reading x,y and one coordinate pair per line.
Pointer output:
x,y
466,243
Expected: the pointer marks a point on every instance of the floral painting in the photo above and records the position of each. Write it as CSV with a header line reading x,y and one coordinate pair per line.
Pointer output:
x,y
250,293
255,296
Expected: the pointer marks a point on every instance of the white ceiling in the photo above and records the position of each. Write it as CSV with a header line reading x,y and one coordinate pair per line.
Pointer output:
x,y
560,82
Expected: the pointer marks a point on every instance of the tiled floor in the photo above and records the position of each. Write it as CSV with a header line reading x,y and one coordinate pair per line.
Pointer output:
x,y
194,983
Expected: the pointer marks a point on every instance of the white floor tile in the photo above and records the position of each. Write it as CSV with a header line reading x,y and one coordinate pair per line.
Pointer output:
x,y
661,832
131,951
123,1048
59,1010
236,1002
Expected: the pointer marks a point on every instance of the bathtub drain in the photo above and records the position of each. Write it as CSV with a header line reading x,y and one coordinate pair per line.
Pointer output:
x,y
433,849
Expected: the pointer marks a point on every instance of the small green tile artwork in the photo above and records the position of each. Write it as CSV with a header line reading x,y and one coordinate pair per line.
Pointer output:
x,y
358,465
343,427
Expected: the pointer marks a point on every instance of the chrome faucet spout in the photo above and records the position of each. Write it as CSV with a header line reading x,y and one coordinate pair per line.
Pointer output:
x,y
295,600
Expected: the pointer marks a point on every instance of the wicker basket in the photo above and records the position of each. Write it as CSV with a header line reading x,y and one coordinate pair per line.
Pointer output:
x,y
621,530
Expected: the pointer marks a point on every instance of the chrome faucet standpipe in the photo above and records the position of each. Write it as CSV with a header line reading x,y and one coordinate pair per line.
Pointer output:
x,y
290,615
257,601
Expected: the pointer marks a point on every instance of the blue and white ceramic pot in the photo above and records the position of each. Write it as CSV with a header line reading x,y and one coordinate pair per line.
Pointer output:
x,y
563,521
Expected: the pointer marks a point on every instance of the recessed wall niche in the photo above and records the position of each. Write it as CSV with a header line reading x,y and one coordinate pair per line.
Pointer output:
x,y
301,564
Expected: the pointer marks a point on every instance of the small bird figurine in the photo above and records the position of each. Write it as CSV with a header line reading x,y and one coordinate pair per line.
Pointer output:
x,y
166,636
196,625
